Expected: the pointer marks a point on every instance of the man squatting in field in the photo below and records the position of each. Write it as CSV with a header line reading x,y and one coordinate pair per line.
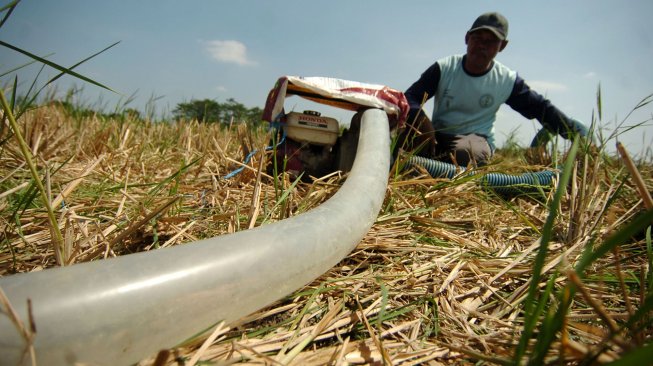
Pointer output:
x,y
468,91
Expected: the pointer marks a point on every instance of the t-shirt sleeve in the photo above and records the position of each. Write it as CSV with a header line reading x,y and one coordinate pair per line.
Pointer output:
x,y
424,88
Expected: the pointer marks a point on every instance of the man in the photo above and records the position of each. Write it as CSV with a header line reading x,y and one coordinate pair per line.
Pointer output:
x,y
468,91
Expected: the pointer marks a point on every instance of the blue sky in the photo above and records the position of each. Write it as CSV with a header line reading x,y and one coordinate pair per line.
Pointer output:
x,y
182,50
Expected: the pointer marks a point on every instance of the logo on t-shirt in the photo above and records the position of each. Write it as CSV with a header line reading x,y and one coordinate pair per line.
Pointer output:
x,y
446,98
486,101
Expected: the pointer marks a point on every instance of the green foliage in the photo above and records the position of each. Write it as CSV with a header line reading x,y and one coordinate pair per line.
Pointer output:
x,y
12,111
211,111
535,300
20,104
511,147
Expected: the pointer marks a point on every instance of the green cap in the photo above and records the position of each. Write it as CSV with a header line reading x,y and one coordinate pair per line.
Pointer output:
x,y
494,22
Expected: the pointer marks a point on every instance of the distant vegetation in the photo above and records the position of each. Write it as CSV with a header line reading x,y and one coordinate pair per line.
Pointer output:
x,y
211,111
203,111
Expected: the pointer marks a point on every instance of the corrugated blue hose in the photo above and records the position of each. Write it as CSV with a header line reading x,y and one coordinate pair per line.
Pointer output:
x,y
436,168
522,183
530,182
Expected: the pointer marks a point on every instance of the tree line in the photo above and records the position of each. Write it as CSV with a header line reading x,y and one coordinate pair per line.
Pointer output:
x,y
203,111
211,111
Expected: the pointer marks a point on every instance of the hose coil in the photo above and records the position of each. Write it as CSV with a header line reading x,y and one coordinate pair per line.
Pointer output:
x,y
510,184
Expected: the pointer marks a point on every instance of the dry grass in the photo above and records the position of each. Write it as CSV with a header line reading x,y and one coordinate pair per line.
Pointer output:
x,y
441,278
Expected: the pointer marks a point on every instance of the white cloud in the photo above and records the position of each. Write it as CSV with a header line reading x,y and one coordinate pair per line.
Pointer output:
x,y
546,86
590,75
221,88
228,51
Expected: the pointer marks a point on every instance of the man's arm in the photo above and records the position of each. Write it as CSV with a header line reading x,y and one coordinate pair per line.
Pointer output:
x,y
423,89
419,135
531,105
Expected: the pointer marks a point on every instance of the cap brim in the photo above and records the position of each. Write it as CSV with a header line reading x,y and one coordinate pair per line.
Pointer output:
x,y
492,29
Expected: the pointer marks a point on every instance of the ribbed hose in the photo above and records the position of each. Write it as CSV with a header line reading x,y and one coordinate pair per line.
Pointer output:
x,y
515,184
506,183
437,169
501,183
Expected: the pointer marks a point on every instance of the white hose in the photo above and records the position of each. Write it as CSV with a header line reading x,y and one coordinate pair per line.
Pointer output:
x,y
121,310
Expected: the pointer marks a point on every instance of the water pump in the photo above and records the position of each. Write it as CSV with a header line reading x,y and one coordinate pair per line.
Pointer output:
x,y
311,127
311,145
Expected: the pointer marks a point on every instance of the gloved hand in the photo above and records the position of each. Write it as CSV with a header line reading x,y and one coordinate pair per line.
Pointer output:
x,y
576,127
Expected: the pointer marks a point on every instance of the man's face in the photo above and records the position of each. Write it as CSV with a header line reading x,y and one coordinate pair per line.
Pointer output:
x,y
483,46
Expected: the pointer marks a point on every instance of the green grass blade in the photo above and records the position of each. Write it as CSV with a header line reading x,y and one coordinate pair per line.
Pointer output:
x,y
173,176
10,7
5,73
81,62
530,307
311,301
62,69
12,102
592,254
284,196
638,356
25,199
57,240
383,306
642,314
549,326
599,104
26,102
649,252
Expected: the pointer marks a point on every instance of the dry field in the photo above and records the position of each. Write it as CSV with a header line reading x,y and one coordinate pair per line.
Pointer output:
x,y
443,277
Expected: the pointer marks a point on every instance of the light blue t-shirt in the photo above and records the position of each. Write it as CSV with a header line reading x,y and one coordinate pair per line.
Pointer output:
x,y
467,104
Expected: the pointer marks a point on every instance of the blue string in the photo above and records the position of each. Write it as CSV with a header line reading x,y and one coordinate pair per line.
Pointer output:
x,y
273,125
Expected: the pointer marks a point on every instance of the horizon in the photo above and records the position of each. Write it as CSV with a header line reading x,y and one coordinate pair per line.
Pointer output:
x,y
218,51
